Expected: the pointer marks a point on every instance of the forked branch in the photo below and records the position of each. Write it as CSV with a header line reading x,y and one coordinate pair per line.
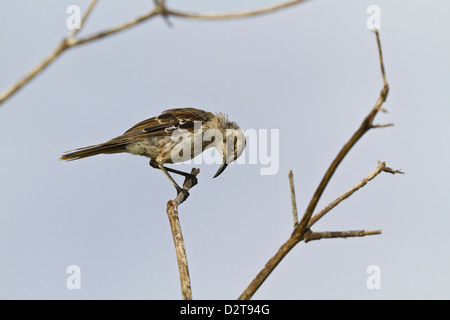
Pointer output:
x,y
302,228
159,9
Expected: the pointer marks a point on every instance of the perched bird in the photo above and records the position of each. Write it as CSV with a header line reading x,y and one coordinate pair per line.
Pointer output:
x,y
174,136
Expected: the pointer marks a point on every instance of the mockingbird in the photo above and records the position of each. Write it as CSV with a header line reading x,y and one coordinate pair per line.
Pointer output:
x,y
174,136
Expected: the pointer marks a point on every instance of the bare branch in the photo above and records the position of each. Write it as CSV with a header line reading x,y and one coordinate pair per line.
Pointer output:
x,y
172,213
233,15
380,53
159,9
381,167
366,125
382,125
84,18
294,204
65,44
393,171
39,68
116,29
310,236
299,231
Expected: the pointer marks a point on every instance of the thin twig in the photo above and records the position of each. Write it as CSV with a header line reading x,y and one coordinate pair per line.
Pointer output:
x,y
366,125
393,171
380,54
84,18
382,125
300,230
160,9
175,226
339,234
381,167
161,6
65,44
294,204
115,29
30,75
233,15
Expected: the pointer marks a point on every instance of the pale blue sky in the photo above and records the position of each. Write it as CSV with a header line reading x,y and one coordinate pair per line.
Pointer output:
x,y
311,71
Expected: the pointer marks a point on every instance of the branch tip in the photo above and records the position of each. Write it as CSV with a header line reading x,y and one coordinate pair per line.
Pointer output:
x,y
382,125
293,199
339,234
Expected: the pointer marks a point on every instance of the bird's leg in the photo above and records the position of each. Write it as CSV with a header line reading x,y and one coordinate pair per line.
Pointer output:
x,y
157,165
184,174
154,164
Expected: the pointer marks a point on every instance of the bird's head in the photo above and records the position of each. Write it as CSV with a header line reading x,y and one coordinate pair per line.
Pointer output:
x,y
233,143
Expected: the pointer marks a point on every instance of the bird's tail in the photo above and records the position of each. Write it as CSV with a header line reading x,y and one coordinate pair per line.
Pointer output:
x,y
107,147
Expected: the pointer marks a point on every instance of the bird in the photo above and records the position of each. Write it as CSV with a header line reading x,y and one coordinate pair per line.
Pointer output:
x,y
176,135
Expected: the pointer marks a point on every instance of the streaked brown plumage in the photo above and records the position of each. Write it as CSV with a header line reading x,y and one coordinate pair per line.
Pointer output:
x,y
154,138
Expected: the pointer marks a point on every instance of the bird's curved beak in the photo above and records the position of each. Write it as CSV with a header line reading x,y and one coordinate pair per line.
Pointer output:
x,y
221,169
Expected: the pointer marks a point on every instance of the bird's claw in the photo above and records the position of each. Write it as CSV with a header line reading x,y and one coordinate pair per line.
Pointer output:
x,y
193,179
184,191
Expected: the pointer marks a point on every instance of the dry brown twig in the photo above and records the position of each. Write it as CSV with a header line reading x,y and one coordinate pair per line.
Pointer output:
x,y
310,236
294,201
175,227
64,45
381,168
159,9
302,231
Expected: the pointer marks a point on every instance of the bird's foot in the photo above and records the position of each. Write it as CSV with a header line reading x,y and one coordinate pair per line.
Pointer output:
x,y
192,178
184,191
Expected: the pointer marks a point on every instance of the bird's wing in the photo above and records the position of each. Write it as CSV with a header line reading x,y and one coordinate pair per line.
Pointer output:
x,y
163,125
167,122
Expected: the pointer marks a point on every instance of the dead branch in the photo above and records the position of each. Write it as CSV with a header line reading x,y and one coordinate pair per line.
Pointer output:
x,y
310,236
381,167
382,125
84,18
233,15
160,9
302,228
64,45
175,227
294,202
